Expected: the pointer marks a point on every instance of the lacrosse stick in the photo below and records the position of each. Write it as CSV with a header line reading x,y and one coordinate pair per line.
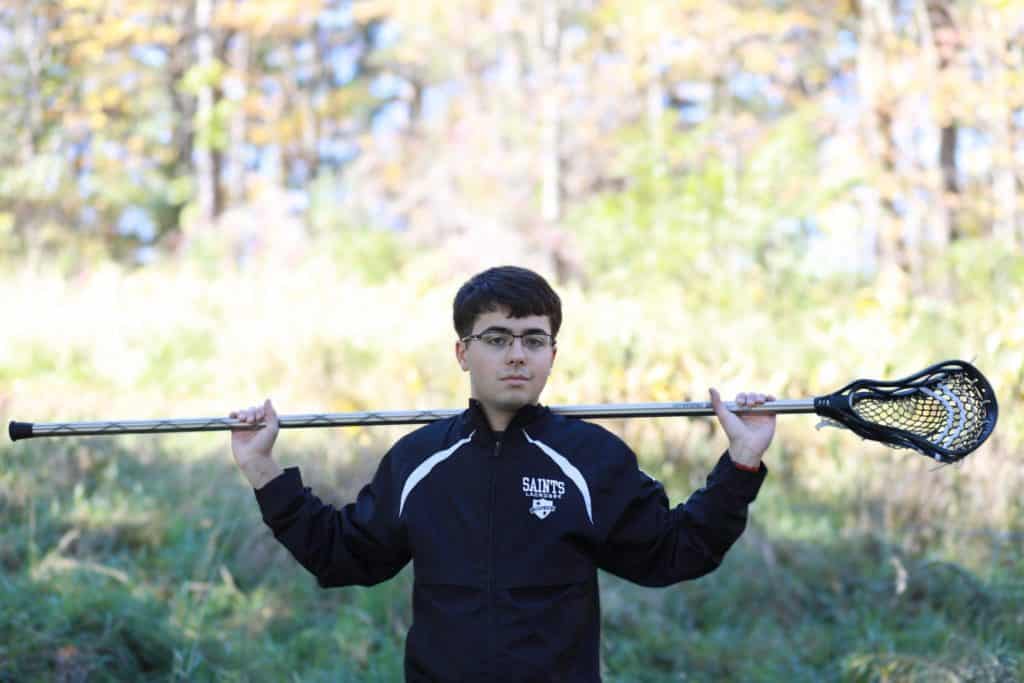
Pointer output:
x,y
944,412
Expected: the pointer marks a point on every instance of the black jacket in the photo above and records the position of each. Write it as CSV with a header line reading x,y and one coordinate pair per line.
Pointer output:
x,y
506,536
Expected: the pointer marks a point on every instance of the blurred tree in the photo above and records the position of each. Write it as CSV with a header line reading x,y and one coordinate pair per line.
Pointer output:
x,y
935,78
140,124
204,84
95,120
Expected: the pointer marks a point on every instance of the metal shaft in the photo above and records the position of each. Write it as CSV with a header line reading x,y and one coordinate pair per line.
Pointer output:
x,y
23,430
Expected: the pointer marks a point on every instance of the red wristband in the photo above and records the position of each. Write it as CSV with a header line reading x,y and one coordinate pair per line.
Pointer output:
x,y
746,468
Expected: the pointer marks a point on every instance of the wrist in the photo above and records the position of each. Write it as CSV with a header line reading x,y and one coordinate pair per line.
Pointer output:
x,y
746,461
747,468
261,471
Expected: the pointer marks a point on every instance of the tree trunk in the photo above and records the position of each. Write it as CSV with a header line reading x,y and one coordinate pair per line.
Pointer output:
x,y
551,115
991,36
207,159
938,43
876,26
238,60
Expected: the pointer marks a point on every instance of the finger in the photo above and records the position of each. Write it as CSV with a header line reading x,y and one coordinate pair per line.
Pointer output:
x,y
716,404
270,414
726,418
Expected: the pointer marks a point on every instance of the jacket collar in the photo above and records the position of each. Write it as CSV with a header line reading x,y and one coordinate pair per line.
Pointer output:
x,y
525,416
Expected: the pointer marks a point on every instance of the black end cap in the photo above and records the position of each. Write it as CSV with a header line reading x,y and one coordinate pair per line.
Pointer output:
x,y
19,430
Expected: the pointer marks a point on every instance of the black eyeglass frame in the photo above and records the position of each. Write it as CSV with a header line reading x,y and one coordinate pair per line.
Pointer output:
x,y
505,333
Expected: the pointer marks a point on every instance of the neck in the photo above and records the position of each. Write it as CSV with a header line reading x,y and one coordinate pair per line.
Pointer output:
x,y
498,419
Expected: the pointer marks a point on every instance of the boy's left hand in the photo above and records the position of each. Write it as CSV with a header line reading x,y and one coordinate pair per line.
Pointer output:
x,y
750,433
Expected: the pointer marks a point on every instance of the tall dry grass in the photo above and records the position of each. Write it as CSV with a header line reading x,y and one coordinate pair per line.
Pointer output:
x,y
859,559
181,341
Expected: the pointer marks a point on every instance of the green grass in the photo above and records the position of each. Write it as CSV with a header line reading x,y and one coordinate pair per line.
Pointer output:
x,y
144,558
124,562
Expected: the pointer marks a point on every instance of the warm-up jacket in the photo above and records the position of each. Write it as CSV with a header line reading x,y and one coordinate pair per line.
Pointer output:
x,y
506,533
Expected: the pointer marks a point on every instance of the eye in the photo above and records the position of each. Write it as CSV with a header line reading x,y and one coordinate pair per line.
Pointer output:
x,y
535,342
498,341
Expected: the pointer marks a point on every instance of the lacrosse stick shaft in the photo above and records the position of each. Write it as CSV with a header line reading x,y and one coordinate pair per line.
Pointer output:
x,y
24,430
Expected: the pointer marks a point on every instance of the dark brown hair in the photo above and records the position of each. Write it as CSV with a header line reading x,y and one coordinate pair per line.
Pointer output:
x,y
521,291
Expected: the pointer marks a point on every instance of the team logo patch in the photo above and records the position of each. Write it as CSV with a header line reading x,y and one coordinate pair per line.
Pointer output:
x,y
544,493
541,508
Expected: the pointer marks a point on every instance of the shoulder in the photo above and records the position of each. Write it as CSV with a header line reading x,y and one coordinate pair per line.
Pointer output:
x,y
436,437
585,443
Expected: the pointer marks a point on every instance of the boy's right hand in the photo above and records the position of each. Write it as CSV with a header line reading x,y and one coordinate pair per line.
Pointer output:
x,y
253,448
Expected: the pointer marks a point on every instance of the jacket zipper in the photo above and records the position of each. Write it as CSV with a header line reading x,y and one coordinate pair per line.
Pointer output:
x,y
492,561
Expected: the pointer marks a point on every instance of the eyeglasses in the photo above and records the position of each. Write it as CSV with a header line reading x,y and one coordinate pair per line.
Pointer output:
x,y
499,341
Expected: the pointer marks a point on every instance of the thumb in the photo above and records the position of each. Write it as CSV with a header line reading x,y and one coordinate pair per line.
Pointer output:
x,y
269,412
716,403
725,417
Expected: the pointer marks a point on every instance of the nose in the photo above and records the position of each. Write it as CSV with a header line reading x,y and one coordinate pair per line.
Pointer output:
x,y
516,351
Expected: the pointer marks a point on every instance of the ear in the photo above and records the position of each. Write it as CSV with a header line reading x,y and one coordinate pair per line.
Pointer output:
x,y
551,365
460,355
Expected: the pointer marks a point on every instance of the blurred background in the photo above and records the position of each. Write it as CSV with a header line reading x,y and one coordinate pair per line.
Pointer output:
x,y
209,202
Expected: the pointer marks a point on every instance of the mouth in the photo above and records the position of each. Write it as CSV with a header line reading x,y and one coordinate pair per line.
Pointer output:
x,y
515,378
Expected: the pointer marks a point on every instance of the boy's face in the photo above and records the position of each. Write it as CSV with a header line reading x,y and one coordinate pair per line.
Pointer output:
x,y
504,380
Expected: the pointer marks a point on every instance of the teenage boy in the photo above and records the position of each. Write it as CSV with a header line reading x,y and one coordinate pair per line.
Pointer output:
x,y
508,510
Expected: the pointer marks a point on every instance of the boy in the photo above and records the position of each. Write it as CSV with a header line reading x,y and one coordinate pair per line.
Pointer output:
x,y
508,510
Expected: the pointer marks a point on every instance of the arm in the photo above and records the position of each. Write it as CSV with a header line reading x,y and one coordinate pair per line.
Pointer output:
x,y
361,543
650,544
654,545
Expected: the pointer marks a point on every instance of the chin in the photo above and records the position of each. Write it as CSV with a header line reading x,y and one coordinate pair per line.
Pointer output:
x,y
510,404
514,403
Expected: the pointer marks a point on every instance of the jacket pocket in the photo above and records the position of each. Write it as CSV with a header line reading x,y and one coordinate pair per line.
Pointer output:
x,y
549,632
448,637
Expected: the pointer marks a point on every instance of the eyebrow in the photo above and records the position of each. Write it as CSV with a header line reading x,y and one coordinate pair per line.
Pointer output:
x,y
498,328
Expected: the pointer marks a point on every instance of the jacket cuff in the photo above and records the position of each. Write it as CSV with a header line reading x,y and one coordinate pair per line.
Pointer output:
x,y
279,494
740,480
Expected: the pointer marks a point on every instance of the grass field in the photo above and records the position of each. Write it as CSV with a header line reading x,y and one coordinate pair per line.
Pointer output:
x,y
123,562
145,559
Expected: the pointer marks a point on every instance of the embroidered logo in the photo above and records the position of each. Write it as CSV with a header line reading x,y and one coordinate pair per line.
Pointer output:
x,y
544,493
541,508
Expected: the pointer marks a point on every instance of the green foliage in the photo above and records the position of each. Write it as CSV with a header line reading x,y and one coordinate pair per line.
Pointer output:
x,y
126,560
688,214
859,563
201,76
153,568
372,255
123,560
375,255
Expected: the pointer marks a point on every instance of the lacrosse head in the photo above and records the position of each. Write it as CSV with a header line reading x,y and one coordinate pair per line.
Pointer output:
x,y
944,412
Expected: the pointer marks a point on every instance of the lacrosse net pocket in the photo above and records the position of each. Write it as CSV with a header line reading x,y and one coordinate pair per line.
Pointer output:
x,y
944,412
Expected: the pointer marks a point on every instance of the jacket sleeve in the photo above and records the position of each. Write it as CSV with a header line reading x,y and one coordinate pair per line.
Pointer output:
x,y
654,545
361,543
